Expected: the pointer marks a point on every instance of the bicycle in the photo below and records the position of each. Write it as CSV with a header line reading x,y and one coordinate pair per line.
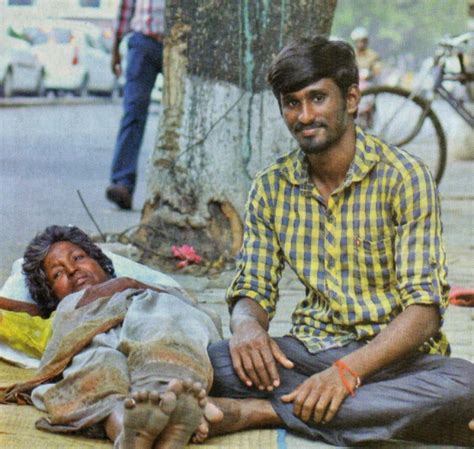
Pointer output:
x,y
406,118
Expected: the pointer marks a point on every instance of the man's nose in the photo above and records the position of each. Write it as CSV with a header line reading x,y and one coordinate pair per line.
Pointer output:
x,y
306,114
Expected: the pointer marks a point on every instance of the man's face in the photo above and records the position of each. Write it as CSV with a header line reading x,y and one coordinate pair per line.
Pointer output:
x,y
318,115
69,269
362,44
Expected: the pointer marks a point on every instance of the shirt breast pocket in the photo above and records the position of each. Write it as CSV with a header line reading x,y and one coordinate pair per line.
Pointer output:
x,y
372,259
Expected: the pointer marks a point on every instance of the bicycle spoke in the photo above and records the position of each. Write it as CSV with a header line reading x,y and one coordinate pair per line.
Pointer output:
x,y
393,115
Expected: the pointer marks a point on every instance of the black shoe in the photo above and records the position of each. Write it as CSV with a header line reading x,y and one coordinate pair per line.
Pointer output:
x,y
119,195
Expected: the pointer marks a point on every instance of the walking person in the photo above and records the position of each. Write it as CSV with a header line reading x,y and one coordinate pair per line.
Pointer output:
x,y
145,20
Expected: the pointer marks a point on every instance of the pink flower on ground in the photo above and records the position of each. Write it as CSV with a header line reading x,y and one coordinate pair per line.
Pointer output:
x,y
187,254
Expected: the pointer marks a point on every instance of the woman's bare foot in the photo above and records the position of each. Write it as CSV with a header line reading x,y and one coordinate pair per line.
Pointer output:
x,y
186,417
145,415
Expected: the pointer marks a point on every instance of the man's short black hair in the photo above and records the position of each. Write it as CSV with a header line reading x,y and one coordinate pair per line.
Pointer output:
x,y
308,60
37,250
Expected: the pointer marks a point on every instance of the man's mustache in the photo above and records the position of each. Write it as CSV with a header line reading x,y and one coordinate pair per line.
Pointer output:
x,y
302,127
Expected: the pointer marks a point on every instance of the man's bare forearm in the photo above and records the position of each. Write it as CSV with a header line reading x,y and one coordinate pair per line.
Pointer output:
x,y
403,336
246,312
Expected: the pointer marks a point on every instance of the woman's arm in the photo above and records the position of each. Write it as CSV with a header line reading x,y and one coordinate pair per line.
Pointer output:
x,y
19,306
110,287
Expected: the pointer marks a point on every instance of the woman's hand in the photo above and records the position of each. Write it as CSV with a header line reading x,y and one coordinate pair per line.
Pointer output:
x,y
108,288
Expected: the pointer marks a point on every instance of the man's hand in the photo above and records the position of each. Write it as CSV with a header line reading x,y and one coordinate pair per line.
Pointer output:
x,y
254,355
319,397
116,63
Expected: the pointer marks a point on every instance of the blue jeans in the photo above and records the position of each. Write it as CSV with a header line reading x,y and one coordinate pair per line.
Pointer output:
x,y
144,62
426,398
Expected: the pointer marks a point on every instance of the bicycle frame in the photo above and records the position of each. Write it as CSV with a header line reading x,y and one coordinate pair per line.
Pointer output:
x,y
456,104
460,78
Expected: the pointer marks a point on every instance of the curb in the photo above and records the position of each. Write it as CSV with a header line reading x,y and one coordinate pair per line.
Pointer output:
x,y
19,102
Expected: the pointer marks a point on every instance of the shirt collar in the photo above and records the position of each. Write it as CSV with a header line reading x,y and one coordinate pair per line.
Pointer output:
x,y
365,157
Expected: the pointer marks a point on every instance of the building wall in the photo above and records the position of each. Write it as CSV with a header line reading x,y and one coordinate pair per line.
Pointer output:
x,y
104,14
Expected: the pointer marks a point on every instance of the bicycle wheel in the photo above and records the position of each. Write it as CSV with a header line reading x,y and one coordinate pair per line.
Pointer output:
x,y
407,122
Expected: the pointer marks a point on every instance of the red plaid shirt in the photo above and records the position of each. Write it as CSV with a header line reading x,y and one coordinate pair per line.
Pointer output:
x,y
144,16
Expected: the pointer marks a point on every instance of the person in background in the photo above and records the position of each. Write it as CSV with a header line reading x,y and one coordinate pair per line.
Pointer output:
x,y
368,61
145,20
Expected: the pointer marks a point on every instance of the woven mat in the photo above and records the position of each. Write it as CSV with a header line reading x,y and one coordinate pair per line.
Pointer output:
x,y
17,431
17,427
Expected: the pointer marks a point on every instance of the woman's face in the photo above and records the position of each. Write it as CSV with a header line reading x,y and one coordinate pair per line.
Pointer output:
x,y
69,269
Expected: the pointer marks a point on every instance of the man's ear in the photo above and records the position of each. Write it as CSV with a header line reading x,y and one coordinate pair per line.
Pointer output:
x,y
353,99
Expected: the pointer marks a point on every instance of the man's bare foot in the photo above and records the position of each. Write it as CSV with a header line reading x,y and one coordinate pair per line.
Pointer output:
x,y
212,415
145,415
186,417
471,425
235,415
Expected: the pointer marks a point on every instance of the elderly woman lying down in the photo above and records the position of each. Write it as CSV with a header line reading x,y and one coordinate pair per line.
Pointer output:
x,y
123,357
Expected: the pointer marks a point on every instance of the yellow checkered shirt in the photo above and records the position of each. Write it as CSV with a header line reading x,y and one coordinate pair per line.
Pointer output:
x,y
372,251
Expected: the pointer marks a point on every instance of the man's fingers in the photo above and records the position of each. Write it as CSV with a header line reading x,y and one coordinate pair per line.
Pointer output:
x,y
260,370
300,399
269,361
237,364
332,409
290,397
320,408
249,368
307,407
280,356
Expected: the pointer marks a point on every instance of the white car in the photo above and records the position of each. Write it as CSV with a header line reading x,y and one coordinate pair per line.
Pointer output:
x,y
74,55
20,69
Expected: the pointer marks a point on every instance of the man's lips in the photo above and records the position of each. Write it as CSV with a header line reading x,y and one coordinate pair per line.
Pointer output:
x,y
308,131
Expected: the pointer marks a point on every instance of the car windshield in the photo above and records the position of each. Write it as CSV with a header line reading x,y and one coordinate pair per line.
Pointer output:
x,y
60,35
37,35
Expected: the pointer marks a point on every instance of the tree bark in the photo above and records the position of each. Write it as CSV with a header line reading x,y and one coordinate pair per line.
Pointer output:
x,y
220,122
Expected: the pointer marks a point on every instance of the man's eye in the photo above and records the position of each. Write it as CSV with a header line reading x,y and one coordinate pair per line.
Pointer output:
x,y
79,257
318,98
57,274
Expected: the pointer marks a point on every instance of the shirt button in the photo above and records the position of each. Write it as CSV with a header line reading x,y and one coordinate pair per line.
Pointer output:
x,y
330,217
337,315
331,263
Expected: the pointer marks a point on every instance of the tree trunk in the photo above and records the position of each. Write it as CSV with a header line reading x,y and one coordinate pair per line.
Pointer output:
x,y
220,122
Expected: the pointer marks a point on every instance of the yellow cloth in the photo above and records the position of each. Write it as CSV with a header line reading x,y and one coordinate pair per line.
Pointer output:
x,y
26,333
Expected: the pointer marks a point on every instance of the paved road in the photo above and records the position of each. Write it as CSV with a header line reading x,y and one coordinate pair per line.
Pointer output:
x,y
46,154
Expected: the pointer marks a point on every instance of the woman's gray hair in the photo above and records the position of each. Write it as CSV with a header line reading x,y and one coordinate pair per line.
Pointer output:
x,y
36,252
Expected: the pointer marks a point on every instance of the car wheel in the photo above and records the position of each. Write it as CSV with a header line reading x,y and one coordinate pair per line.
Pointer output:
x,y
82,90
8,87
40,90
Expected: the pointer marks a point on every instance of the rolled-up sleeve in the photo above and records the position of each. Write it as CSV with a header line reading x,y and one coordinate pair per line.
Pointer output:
x,y
260,262
420,253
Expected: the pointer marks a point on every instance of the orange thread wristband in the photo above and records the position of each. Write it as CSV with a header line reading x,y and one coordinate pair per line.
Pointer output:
x,y
341,367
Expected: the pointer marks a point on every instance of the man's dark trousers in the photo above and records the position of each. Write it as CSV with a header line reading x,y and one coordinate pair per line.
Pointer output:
x,y
427,398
